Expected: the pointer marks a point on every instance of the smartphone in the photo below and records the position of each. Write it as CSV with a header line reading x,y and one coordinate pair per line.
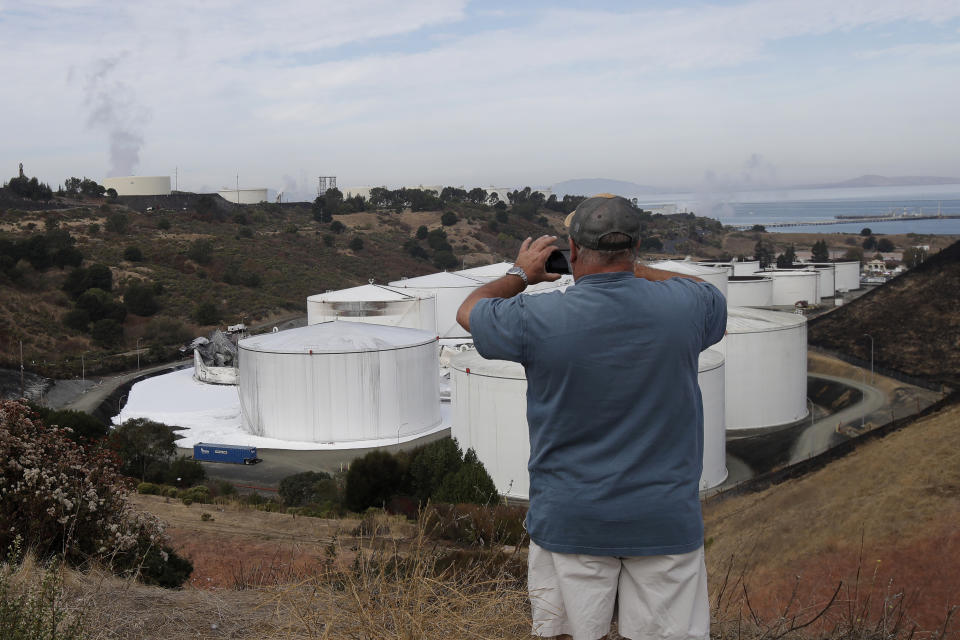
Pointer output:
x,y
559,261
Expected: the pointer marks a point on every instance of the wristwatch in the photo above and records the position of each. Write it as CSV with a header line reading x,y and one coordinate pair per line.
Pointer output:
x,y
518,271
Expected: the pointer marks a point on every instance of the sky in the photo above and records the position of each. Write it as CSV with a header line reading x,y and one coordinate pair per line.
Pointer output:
x,y
378,92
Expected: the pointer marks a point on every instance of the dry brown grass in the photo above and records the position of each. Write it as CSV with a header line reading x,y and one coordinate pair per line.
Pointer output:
x,y
899,495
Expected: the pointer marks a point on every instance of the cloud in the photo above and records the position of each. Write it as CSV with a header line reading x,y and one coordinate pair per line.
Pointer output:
x,y
381,91
913,50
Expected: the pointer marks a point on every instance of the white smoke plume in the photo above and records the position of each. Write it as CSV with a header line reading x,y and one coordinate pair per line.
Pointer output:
x,y
113,108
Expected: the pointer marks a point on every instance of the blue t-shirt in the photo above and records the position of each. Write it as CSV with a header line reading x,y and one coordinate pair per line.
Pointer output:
x,y
614,408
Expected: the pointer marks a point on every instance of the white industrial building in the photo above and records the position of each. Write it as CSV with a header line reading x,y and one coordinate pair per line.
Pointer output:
x,y
766,369
340,382
376,304
449,291
749,291
489,400
244,196
794,285
717,276
139,185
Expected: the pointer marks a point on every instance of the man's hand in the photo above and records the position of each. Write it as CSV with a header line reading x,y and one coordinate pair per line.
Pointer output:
x,y
533,259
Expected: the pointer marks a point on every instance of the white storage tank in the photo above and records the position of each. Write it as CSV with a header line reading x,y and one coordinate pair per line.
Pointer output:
x,y
340,382
717,276
766,369
738,267
847,275
489,400
793,285
376,304
749,291
828,281
139,185
244,196
449,290
491,272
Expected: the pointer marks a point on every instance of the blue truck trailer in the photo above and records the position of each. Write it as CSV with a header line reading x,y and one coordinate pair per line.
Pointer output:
x,y
234,454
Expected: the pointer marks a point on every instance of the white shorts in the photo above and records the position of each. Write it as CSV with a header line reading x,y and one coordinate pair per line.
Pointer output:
x,y
657,597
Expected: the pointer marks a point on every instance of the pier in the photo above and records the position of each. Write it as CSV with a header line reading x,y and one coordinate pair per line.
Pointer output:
x,y
845,220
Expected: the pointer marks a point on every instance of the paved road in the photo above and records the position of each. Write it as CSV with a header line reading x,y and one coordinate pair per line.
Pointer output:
x,y
91,398
816,438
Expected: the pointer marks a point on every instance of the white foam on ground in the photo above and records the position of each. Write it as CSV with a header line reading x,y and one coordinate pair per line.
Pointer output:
x,y
211,413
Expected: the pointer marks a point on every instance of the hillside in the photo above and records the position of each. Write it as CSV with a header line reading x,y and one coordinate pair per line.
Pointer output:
x,y
898,497
194,261
914,320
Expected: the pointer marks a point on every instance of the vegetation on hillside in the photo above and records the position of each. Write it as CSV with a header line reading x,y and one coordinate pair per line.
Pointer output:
x,y
911,324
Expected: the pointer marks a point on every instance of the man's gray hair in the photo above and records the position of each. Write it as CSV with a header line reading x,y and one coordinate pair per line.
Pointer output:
x,y
603,256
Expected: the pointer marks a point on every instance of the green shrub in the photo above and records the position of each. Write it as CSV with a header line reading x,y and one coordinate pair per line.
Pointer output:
x,y
118,222
107,332
201,251
372,480
185,472
430,464
445,260
93,229
133,254
150,489
448,219
470,483
206,517
77,319
422,232
163,224
139,299
337,227
309,487
356,244
83,427
199,493
245,232
62,499
206,313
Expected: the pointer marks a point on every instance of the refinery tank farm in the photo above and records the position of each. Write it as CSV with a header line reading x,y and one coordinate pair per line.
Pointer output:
x,y
387,365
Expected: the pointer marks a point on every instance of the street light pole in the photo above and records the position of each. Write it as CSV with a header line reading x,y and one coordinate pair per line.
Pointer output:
x,y
867,335
138,354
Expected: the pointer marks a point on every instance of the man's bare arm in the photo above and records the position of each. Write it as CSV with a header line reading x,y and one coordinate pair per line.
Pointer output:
x,y
658,275
532,259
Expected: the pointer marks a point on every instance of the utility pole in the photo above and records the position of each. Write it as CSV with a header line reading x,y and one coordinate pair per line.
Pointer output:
x,y
138,355
22,387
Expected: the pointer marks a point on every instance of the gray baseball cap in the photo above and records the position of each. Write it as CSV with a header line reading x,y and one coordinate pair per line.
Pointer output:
x,y
602,214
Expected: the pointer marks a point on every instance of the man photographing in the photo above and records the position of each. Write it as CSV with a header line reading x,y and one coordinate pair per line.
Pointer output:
x,y
616,428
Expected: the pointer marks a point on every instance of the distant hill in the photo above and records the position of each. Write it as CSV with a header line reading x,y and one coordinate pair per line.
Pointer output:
x,y
592,186
885,181
914,320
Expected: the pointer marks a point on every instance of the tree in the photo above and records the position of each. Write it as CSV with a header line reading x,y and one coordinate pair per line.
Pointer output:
x,y
83,426
99,304
139,299
445,260
437,239
206,314
142,443
763,253
112,193
184,472
90,188
309,487
107,332
356,243
337,227
869,243
167,331
372,480
854,253
787,258
72,186
448,219
320,212
77,319
820,252
430,464
885,245
471,483
133,254
201,251
866,231
759,228
913,256
163,224
422,232
333,199
117,222
651,243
